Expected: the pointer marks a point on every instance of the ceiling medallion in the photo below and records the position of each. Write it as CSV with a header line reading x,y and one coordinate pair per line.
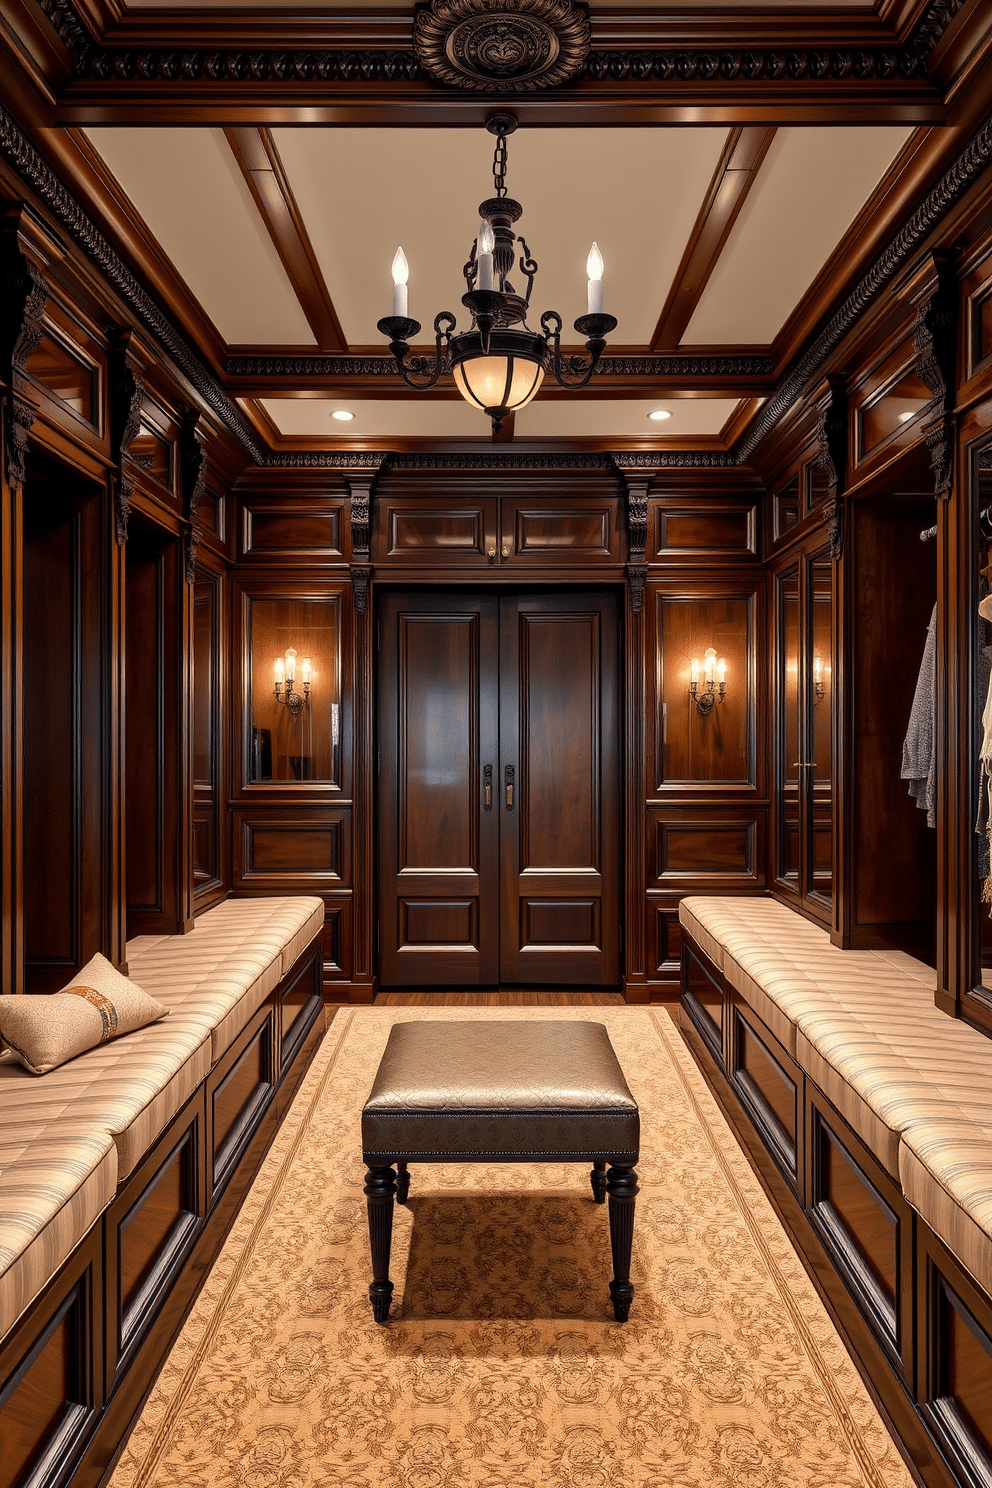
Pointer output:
x,y
515,46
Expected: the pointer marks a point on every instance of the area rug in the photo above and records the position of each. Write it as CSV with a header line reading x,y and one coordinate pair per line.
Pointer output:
x,y
502,1366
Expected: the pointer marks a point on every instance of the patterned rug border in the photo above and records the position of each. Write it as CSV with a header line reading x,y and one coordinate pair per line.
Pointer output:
x,y
745,1204
207,1316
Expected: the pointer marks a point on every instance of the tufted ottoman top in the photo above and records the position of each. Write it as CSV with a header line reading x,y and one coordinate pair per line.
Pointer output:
x,y
500,1092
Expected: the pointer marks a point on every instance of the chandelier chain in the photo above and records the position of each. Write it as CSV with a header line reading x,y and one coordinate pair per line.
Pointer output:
x,y
499,165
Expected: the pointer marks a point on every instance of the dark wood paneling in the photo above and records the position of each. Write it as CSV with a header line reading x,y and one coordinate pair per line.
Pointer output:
x,y
768,1084
717,749
704,998
716,850
283,849
415,533
69,379
296,1003
292,531
237,1093
956,1364
705,531
576,531
665,959
148,1234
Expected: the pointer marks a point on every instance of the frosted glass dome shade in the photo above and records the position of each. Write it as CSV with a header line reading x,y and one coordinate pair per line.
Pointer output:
x,y
498,383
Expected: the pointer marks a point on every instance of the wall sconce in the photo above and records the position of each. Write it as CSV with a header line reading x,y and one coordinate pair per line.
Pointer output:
x,y
819,688
714,674
286,675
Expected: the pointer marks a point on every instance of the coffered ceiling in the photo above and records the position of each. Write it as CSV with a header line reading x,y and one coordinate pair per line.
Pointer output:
x,y
738,165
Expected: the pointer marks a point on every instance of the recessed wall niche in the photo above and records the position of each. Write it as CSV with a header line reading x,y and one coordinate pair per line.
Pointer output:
x,y
294,732
698,742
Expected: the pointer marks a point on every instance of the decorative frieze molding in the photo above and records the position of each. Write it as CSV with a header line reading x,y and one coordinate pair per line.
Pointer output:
x,y
339,367
360,518
18,418
523,45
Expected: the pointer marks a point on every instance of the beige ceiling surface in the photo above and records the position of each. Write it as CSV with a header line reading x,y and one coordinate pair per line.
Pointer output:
x,y
186,185
451,418
364,191
810,188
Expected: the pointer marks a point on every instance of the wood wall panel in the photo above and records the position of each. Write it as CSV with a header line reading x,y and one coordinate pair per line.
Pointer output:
x,y
238,1091
45,1408
715,851
443,535
579,531
770,1087
292,531
293,850
719,749
702,530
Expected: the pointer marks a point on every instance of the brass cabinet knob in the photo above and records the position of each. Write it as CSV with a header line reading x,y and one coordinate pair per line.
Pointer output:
x,y
506,552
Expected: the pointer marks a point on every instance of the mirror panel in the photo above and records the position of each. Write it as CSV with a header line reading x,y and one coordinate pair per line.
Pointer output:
x,y
295,691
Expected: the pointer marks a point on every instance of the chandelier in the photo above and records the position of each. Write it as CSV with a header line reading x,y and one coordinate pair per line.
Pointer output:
x,y
500,363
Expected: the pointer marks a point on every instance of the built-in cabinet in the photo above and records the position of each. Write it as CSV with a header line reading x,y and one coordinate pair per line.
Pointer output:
x,y
803,737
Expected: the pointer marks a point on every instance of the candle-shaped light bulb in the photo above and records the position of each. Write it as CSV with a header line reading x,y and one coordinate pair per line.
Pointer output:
x,y
401,274
306,669
708,674
280,669
694,671
484,255
818,670
290,663
721,670
594,289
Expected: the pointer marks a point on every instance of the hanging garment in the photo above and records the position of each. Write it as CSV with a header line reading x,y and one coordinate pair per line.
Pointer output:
x,y
918,754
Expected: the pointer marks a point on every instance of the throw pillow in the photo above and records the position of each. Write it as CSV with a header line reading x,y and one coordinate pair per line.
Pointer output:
x,y
98,1005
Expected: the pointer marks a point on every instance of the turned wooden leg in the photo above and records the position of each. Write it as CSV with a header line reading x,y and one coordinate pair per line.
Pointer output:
x,y
622,1191
598,1179
380,1186
402,1183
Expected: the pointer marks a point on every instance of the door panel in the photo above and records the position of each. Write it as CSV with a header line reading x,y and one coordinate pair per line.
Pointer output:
x,y
559,838
438,697
499,790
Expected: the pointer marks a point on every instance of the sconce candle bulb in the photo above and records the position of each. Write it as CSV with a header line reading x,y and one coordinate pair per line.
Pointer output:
x,y
401,274
818,687
294,701
714,676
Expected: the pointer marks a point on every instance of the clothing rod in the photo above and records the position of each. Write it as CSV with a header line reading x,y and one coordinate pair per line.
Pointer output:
x,y
928,533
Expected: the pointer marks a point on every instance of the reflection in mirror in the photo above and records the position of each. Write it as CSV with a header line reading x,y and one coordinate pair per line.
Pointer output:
x,y
787,867
295,723
820,731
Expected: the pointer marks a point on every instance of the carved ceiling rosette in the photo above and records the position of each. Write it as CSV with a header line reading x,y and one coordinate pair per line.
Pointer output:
x,y
510,46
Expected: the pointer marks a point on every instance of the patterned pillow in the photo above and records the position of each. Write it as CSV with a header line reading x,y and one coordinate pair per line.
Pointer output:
x,y
98,1004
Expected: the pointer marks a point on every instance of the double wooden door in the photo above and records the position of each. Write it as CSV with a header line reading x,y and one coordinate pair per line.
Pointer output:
x,y
499,791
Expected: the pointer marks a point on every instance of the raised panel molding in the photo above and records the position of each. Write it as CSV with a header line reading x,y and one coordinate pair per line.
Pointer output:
x,y
291,531
703,531
539,533
708,851
298,851
444,534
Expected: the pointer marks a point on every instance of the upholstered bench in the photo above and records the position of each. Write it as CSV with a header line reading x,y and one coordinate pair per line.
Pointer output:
x,y
500,1092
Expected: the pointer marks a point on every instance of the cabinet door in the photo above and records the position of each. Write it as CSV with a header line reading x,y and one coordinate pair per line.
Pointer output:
x,y
572,535
804,768
439,820
417,534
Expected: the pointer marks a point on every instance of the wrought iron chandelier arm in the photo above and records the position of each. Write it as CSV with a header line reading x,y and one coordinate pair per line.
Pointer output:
x,y
419,372
574,372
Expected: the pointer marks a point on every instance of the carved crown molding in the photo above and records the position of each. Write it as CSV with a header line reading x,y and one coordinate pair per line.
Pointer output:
x,y
520,45
608,366
18,151
960,174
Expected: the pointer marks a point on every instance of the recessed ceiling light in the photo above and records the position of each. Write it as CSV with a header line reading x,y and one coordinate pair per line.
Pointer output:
x,y
342,414
659,414
905,417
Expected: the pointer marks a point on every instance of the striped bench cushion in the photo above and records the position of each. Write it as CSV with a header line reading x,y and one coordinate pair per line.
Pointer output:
x,y
945,1167
235,955
130,1088
54,1184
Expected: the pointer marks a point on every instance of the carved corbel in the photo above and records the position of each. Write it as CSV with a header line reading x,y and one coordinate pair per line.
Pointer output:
x,y
192,476
127,396
835,527
360,519
831,435
22,305
637,537
935,345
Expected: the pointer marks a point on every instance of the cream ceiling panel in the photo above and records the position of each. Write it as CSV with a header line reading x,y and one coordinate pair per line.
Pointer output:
x,y
810,188
364,191
442,418
186,185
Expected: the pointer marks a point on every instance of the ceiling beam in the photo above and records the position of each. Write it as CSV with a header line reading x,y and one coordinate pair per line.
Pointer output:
x,y
256,154
733,178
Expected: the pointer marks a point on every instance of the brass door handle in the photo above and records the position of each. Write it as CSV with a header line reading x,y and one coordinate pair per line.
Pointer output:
x,y
487,776
508,778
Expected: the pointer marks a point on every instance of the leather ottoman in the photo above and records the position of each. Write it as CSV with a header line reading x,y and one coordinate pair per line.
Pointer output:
x,y
506,1092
